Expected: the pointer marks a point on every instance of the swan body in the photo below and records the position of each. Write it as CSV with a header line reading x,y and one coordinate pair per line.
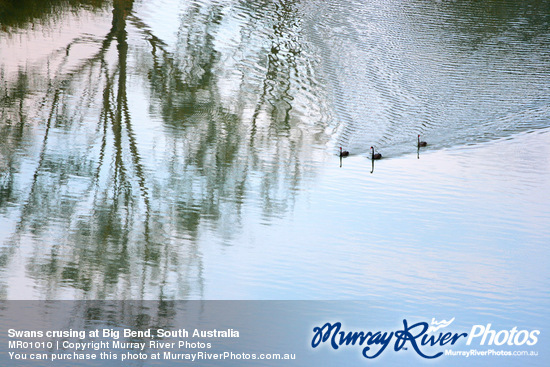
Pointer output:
x,y
375,155
421,143
343,153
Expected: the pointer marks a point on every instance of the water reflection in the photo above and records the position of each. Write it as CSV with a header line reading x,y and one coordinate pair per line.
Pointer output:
x,y
19,13
151,160
458,72
105,206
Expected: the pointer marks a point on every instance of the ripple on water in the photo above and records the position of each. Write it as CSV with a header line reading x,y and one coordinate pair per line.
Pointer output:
x,y
454,73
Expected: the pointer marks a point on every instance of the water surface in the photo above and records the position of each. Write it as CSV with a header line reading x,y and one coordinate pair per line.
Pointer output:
x,y
187,150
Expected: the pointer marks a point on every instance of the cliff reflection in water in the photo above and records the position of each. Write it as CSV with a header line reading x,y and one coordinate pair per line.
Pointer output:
x,y
119,151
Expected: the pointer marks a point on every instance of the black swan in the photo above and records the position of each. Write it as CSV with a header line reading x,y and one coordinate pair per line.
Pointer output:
x,y
375,155
343,153
421,143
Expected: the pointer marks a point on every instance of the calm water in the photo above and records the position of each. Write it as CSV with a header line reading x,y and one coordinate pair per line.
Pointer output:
x,y
187,150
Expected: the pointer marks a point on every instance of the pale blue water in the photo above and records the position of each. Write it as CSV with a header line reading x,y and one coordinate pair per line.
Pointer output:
x,y
188,150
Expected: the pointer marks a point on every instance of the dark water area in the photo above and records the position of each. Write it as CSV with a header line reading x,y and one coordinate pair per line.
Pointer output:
x,y
458,72
171,150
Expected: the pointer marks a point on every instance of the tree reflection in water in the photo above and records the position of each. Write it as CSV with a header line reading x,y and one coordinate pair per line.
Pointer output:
x,y
100,212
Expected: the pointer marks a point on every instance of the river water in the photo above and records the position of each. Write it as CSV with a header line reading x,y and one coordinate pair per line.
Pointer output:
x,y
188,150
